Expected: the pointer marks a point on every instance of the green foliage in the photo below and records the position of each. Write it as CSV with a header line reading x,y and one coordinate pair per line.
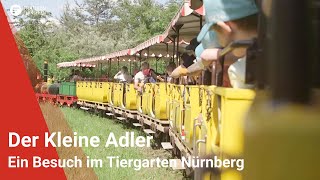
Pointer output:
x,y
92,28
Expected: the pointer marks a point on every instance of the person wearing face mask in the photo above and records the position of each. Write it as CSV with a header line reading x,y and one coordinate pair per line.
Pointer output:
x,y
231,20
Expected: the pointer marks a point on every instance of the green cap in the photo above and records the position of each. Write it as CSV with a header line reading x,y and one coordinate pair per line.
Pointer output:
x,y
225,10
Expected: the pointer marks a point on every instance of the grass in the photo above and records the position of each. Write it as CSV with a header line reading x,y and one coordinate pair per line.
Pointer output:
x,y
90,125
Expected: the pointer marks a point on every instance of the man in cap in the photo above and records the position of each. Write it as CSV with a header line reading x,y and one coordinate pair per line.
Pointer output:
x,y
231,20
187,59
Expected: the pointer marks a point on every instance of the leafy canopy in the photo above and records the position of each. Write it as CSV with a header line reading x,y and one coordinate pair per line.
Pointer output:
x,y
92,28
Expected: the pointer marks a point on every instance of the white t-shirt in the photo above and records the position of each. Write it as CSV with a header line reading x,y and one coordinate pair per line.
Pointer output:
x,y
139,77
237,74
169,79
123,77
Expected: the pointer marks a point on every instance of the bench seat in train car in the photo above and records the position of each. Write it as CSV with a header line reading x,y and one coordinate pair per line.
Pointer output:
x,y
110,94
100,91
169,98
118,92
147,95
222,126
80,91
93,91
209,129
177,111
234,106
209,134
84,90
192,97
159,101
130,97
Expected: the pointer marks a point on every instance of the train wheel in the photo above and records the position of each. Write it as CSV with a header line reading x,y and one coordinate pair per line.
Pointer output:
x,y
51,101
126,124
158,136
142,124
188,172
175,149
96,111
73,105
114,114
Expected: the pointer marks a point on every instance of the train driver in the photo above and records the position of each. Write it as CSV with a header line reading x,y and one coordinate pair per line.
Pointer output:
x,y
76,76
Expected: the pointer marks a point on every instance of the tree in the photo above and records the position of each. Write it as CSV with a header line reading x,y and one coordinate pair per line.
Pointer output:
x,y
144,18
92,28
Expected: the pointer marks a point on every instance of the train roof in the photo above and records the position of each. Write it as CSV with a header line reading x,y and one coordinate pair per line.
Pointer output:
x,y
187,23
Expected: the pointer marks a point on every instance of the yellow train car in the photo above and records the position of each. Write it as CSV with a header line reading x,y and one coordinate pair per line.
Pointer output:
x,y
93,91
130,97
159,101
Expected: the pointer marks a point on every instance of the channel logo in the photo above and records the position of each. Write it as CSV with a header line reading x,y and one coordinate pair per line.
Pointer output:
x,y
15,10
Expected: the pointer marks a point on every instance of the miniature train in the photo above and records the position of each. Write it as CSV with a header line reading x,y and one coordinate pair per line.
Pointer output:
x,y
189,120
211,120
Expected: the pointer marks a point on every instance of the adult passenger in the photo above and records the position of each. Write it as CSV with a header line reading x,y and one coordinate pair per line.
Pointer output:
x,y
187,60
139,78
123,75
169,69
76,76
50,79
151,76
208,42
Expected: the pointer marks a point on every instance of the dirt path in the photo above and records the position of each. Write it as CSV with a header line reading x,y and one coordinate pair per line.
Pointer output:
x,y
56,123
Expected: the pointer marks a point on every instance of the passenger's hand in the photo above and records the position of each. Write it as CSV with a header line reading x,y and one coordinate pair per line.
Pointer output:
x,y
140,90
209,55
266,7
179,71
160,78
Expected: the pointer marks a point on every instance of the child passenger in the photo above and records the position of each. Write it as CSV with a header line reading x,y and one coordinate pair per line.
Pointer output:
x,y
231,20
